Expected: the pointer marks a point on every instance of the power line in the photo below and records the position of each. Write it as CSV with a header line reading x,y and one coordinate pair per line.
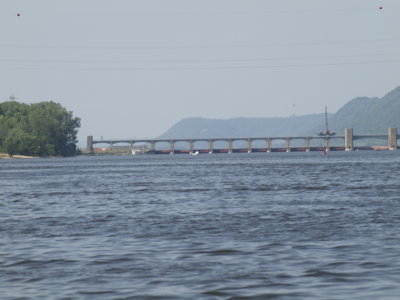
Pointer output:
x,y
166,47
189,61
206,68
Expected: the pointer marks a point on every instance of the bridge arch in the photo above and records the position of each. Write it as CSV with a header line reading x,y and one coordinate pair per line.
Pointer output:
x,y
161,145
362,141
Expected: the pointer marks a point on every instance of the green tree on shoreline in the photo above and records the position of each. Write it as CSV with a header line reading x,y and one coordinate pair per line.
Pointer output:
x,y
40,129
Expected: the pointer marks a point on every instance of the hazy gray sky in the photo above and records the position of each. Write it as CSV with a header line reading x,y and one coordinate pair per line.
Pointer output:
x,y
133,68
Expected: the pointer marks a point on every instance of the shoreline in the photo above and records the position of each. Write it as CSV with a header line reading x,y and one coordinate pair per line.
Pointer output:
x,y
6,156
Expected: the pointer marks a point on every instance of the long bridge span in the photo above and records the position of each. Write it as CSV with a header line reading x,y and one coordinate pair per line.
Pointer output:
x,y
347,143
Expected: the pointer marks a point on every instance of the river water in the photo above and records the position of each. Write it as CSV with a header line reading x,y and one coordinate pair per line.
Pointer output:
x,y
237,226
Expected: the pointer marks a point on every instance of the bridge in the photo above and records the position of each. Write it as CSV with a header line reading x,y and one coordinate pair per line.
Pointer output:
x,y
347,143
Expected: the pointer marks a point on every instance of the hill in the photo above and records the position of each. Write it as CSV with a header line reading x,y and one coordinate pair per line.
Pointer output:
x,y
243,127
365,115
369,115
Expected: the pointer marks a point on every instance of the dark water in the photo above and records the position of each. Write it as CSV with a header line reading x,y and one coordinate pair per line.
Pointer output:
x,y
244,226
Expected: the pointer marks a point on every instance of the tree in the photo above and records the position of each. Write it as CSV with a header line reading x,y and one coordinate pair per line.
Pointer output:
x,y
44,129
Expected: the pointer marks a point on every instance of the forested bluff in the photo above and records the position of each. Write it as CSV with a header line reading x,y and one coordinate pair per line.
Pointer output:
x,y
366,115
39,129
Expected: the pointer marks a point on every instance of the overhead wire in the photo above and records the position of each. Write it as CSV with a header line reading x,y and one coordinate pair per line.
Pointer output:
x,y
190,61
207,67
230,46
239,61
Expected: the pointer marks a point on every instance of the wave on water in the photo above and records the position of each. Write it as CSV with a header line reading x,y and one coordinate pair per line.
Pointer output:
x,y
276,226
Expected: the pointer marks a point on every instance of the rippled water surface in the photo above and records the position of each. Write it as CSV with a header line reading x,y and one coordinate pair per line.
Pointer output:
x,y
238,226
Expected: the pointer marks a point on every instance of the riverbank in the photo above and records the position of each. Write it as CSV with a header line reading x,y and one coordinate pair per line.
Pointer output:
x,y
6,156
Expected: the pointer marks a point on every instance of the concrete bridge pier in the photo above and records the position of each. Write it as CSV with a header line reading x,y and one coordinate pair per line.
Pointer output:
x,y
348,139
288,147
230,145
392,138
191,146
327,142
132,147
171,147
210,146
249,145
308,144
153,146
89,144
268,141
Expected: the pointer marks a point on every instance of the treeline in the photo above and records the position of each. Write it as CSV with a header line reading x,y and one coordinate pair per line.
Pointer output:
x,y
40,129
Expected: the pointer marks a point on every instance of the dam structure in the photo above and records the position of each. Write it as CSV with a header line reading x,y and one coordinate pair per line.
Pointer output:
x,y
343,142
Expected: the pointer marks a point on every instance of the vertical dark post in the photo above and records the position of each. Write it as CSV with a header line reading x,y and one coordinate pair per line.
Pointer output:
x,y
392,138
89,144
326,119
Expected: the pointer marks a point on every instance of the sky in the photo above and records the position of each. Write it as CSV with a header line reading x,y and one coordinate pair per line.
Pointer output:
x,y
134,68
